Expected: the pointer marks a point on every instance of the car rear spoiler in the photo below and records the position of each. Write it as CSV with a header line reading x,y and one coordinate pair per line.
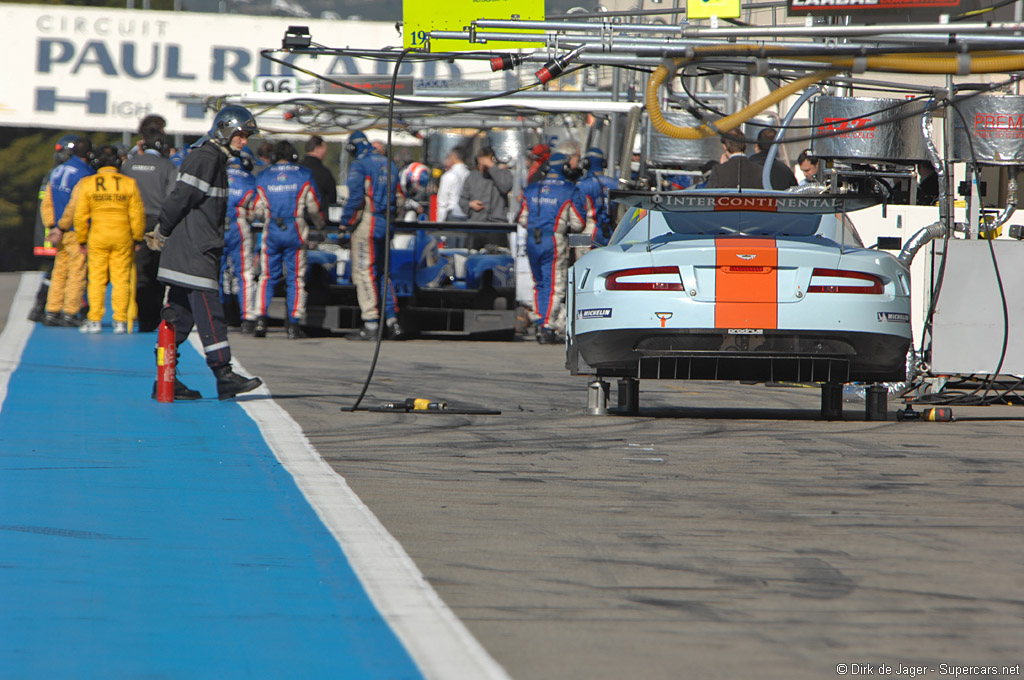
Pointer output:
x,y
754,201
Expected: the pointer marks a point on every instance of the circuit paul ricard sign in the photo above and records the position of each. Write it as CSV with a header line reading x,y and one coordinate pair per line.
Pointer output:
x,y
81,68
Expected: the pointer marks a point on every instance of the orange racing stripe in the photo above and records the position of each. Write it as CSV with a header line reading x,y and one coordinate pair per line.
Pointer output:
x,y
746,283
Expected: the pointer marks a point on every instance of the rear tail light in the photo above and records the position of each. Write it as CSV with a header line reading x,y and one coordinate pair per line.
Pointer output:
x,y
840,281
645,278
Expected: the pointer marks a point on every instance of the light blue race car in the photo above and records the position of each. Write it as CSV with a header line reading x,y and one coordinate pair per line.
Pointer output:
x,y
751,286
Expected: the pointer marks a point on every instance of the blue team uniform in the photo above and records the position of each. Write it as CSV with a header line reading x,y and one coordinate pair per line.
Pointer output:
x,y
365,215
63,179
286,195
242,192
549,210
595,188
67,280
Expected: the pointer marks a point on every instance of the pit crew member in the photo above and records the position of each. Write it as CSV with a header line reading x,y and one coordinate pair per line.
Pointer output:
x,y
550,209
238,250
595,187
287,197
365,213
155,175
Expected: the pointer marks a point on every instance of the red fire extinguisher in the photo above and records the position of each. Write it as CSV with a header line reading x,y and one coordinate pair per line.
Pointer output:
x,y
166,358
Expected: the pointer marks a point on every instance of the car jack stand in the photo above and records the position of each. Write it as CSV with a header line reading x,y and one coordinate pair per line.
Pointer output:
x,y
597,397
629,396
876,404
832,401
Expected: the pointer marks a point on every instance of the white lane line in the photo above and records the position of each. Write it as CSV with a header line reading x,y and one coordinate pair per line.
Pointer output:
x,y
437,640
17,329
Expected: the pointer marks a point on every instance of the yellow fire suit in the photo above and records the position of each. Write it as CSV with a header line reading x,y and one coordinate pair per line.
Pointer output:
x,y
110,219
67,281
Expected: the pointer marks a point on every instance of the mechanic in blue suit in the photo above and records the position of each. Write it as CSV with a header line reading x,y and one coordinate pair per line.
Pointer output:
x,y
595,187
67,280
286,196
365,214
242,211
550,209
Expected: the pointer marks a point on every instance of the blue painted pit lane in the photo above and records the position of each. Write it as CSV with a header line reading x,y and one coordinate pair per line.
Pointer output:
x,y
140,539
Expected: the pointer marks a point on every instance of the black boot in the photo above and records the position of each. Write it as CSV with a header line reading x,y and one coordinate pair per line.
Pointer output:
x,y
260,331
70,320
248,327
295,331
181,393
39,308
230,384
546,336
394,330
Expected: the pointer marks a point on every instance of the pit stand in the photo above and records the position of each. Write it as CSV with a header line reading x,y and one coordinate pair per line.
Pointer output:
x,y
832,401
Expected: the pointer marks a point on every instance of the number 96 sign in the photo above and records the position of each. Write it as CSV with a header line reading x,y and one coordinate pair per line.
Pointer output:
x,y
285,84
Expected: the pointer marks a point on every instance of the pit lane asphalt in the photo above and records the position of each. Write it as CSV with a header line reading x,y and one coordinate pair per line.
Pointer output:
x,y
726,532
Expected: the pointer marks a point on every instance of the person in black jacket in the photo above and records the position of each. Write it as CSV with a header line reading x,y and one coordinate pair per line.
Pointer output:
x,y
326,185
190,237
927,184
735,170
155,176
782,176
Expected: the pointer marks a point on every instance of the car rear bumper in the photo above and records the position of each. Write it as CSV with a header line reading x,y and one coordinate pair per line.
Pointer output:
x,y
773,355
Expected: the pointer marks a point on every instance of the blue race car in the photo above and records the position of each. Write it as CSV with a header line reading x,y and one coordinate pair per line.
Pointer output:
x,y
443,285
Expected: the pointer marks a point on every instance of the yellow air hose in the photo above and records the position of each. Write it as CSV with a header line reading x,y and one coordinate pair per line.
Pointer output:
x,y
932,64
985,62
721,125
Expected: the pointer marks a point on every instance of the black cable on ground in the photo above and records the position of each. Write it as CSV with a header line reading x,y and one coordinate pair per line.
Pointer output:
x,y
965,393
447,411
385,279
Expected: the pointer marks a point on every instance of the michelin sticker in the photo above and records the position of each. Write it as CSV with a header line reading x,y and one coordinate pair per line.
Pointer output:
x,y
604,313
894,317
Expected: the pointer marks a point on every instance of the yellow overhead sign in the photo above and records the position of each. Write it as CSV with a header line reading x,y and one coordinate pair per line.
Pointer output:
x,y
703,9
420,17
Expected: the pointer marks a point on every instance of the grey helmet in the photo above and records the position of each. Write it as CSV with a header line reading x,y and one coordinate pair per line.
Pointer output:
x,y
231,120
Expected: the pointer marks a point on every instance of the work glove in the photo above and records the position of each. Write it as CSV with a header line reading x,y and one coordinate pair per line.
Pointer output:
x,y
154,240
